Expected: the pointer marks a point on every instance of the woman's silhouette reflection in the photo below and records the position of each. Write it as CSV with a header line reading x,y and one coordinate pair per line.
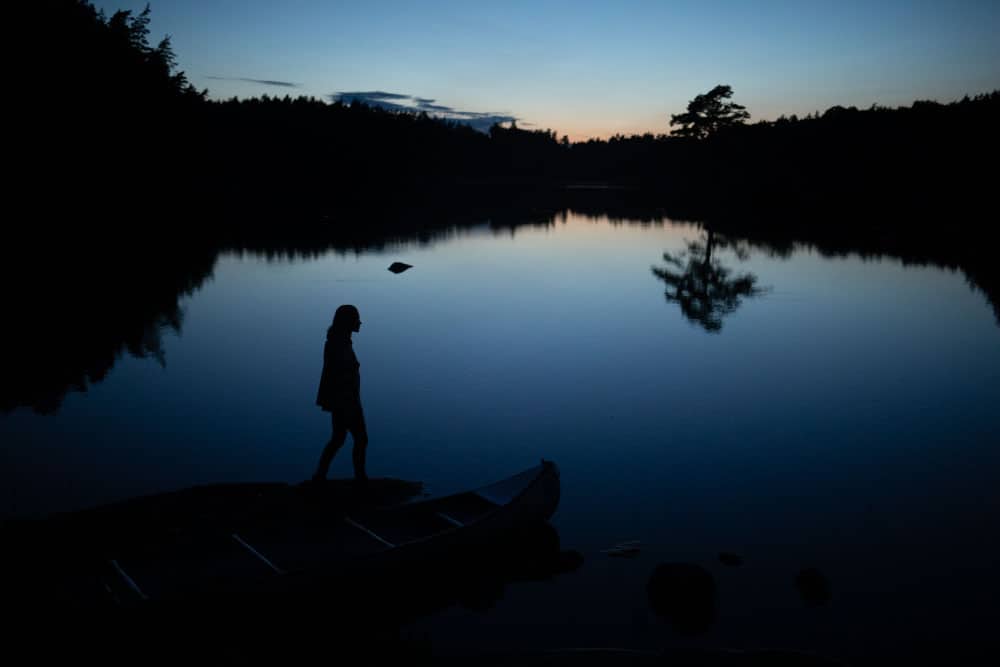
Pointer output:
x,y
340,393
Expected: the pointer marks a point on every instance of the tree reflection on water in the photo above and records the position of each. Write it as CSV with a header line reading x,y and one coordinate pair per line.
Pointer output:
x,y
705,289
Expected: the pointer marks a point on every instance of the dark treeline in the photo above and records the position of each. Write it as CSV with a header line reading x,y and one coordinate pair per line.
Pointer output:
x,y
300,152
107,116
104,121
917,162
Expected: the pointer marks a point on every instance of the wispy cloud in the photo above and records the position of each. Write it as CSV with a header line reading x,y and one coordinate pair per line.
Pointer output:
x,y
378,95
427,106
478,120
375,99
263,82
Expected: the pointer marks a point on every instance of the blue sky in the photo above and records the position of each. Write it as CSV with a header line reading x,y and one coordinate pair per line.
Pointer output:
x,y
588,69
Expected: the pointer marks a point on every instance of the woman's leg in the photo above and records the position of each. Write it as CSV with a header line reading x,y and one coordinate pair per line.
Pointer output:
x,y
332,447
359,433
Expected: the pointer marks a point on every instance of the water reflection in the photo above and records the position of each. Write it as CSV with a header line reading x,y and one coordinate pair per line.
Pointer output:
x,y
705,289
84,302
80,304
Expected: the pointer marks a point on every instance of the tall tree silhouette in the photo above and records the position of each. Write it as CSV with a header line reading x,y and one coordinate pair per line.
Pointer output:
x,y
708,113
704,288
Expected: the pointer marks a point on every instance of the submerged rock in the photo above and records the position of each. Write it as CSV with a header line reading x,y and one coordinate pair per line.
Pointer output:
x,y
399,267
685,595
730,559
813,587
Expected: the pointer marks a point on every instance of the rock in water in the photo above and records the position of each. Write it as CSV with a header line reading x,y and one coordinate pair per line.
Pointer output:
x,y
399,267
813,586
685,595
730,559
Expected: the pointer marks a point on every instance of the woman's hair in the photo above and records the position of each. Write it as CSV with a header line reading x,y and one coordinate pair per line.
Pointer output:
x,y
343,320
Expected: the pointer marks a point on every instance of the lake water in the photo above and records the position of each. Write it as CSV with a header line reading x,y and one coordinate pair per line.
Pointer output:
x,y
841,413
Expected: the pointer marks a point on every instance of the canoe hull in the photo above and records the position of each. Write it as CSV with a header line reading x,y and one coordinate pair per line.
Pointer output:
x,y
236,542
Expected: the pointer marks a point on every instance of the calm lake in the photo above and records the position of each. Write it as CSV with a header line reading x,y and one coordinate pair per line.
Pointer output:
x,y
839,413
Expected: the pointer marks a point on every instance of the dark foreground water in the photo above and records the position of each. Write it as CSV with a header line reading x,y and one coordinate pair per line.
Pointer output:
x,y
834,413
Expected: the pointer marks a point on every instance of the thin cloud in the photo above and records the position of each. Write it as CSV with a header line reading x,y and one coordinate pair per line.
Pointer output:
x,y
377,95
477,120
264,82
374,99
427,106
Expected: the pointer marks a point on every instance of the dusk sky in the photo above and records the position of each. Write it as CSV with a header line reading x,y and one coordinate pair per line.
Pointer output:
x,y
586,69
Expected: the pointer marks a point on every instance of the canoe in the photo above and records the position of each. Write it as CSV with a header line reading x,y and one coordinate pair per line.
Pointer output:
x,y
245,541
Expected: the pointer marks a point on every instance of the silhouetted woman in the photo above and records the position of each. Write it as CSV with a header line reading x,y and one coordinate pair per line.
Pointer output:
x,y
340,392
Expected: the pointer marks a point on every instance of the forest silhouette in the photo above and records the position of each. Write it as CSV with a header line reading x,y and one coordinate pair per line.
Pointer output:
x,y
108,118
